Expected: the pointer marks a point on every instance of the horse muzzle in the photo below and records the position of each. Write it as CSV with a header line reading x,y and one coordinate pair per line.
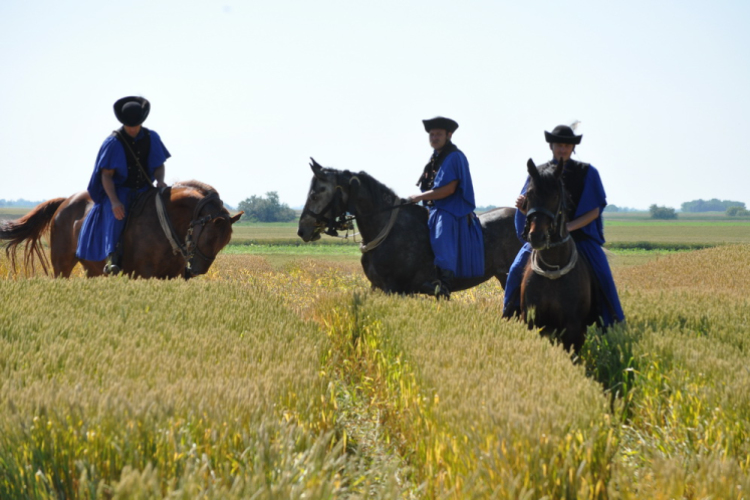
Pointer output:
x,y
309,232
539,240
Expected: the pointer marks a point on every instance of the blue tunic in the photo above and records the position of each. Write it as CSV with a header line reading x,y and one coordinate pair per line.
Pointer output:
x,y
101,231
593,196
455,232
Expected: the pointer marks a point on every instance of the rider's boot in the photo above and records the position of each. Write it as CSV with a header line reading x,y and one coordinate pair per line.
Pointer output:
x,y
446,282
113,265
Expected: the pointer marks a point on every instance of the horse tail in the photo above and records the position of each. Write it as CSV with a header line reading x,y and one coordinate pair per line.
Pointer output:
x,y
30,228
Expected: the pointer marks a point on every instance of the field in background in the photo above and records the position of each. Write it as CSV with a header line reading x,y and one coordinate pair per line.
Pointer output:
x,y
11,213
622,229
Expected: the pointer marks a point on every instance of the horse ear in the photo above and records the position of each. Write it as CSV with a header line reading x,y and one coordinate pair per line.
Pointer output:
x,y
236,217
531,167
317,169
559,168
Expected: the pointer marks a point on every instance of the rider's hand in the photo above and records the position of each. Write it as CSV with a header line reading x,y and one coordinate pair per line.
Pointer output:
x,y
521,203
118,209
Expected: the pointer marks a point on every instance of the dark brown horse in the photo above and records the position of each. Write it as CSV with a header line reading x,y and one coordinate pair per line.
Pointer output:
x,y
558,289
396,252
200,228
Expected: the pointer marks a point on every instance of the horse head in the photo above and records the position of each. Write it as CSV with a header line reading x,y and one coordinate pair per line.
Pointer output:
x,y
545,202
327,201
209,227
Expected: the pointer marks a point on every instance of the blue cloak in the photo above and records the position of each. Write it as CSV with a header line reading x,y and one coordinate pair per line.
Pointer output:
x,y
455,232
101,231
593,196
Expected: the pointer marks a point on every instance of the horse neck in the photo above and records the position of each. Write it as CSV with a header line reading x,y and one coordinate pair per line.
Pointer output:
x,y
370,207
181,208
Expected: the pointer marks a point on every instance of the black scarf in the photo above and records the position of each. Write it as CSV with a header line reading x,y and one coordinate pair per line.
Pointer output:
x,y
141,149
427,179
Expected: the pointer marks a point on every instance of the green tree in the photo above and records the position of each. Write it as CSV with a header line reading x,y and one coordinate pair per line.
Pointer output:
x,y
737,211
268,209
658,212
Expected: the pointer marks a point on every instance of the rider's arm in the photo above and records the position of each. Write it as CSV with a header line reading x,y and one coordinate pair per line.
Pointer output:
x,y
109,187
583,220
159,176
436,194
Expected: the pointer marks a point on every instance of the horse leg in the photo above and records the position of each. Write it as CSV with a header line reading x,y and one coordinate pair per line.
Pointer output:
x,y
63,263
502,278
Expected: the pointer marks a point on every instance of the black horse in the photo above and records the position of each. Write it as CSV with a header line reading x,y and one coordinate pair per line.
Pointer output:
x,y
396,252
558,284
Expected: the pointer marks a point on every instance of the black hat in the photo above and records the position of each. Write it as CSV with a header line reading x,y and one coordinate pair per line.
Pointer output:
x,y
132,111
440,122
562,134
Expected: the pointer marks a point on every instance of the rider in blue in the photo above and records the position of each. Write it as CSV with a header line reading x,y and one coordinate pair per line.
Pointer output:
x,y
455,231
582,182
128,162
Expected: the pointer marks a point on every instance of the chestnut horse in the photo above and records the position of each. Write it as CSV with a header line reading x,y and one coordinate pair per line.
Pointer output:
x,y
557,283
200,228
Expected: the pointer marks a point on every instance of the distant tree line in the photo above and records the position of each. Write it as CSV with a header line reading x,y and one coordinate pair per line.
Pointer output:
x,y
19,203
615,208
712,205
268,209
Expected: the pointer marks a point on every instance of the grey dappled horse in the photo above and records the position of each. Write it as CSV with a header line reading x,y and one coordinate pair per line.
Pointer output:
x,y
398,256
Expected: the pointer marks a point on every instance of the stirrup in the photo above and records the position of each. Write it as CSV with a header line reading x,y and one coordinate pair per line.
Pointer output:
x,y
111,269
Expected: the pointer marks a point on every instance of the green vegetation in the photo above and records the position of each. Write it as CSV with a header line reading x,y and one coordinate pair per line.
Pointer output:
x,y
269,209
658,212
712,205
737,211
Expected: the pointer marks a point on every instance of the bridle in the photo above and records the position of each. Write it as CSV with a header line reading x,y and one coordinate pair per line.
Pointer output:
x,y
340,221
558,222
537,263
189,250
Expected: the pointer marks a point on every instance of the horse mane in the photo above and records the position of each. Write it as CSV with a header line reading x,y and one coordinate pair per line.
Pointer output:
x,y
547,176
376,189
203,188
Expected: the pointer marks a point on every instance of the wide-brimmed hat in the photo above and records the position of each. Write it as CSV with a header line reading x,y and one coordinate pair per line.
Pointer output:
x,y
562,134
132,110
440,122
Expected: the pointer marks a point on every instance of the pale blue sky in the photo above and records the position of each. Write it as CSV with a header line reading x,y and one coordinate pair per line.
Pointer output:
x,y
244,92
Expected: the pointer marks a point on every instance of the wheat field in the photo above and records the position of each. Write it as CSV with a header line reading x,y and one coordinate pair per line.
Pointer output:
x,y
292,379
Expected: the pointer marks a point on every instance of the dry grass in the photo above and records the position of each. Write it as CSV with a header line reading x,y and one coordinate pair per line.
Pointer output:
x,y
294,379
